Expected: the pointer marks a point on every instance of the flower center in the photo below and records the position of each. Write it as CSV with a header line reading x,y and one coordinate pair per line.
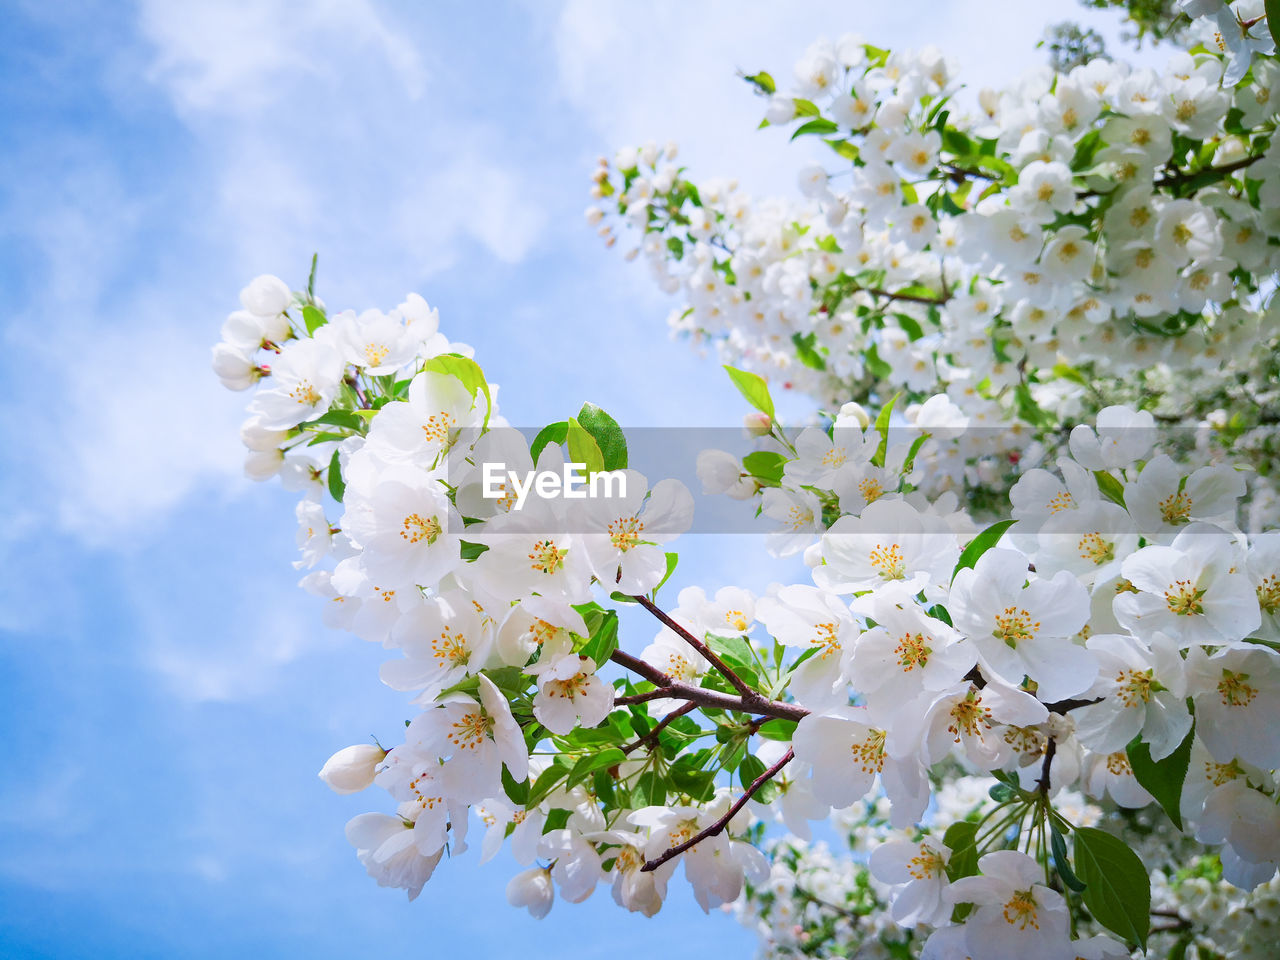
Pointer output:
x,y
375,353
912,652
869,753
1093,548
1183,598
438,427
305,393
1269,593
1134,686
1118,764
1014,625
926,865
736,619
469,731
1021,911
1060,501
870,489
416,527
1235,692
969,717
450,648
888,561
547,558
824,636
624,532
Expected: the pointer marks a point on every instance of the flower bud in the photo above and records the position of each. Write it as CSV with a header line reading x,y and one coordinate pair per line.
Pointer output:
x,y
266,296
757,424
719,471
532,890
853,414
594,215
351,769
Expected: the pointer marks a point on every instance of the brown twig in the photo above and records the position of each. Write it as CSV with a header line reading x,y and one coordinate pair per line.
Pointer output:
x,y
662,724
678,690
975,677
718,827
726,671
1043,782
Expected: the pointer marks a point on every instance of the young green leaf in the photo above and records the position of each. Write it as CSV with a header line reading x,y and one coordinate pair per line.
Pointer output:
x,y
336,487
980,544
583,448
467,371
1117,886
1163,779
753,387
314,318
551,433
608,435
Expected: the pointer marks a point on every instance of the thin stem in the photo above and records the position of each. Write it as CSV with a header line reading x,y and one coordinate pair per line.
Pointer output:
x,y
718,827
662,724
726,671
678,690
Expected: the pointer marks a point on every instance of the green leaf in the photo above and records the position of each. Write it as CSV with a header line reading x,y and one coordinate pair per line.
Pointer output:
x,y
608,435
551,433
472,550
805,108
1272,8
960,837
314,318
753,387
583,448
468,372
751,768
545,783
1117,886
778,729
672,560
882,428
311,278
589,764
762,81
806,351
816,125
336,486
604,639
517,793
765,465
1109,487
980,545
1163,779
1060,862
843,147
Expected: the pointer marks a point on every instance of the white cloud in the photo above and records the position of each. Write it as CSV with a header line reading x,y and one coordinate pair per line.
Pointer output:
x,y
239,56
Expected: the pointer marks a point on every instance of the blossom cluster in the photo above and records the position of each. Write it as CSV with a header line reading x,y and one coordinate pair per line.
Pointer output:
x,y
1071,242
1114,637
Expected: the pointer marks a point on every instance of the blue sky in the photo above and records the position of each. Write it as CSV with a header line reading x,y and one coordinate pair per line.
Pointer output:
x,y
166,692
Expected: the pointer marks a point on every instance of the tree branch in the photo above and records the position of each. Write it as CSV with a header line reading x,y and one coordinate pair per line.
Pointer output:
x,y
1043,782
662,724
726,671
678,690
718,827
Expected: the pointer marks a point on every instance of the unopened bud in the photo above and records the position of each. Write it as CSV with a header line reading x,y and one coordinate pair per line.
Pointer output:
x,y
352,769
757,424
853,414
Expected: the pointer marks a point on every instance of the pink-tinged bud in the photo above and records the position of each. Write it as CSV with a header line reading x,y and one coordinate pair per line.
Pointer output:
x,y
351,769
757,424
